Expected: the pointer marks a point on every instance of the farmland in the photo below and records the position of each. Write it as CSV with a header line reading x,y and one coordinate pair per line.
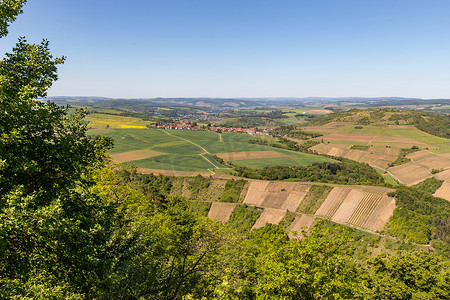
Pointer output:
x,y
388,138
191,151
100,121
365,207
443,191
296,204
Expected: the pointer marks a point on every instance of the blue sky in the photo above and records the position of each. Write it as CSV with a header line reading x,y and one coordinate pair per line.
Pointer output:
x,y
246,48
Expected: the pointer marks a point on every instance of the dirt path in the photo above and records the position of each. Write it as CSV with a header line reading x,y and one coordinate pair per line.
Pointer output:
x,y
203,149
392,175
178,137
419,165
378,134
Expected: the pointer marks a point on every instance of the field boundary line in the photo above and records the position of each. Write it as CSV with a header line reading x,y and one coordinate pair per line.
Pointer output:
x,y
195,144
179,137
392,175
423,167
378,134
208,161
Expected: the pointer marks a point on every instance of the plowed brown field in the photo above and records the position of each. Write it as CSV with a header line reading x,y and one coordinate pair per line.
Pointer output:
x,y
444,175
430,160
367,207
134,155
295,197
410,173
443,191
332,202
302,221
279,195
220,211
364,206
231,156
379,159
255,193
269,215
347,206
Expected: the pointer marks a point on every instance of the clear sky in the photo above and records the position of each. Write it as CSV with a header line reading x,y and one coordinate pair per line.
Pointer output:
x,y
243,48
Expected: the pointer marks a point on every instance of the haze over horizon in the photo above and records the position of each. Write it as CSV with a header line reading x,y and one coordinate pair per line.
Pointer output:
x,y
243,49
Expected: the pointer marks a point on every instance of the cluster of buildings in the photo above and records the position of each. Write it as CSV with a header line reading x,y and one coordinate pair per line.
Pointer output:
x,y
189,126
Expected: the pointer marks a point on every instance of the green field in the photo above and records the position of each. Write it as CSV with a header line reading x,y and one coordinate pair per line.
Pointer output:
x,y
191,150
387,178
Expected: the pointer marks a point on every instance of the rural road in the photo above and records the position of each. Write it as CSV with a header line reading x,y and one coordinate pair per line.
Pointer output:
x,y
392,175
195,144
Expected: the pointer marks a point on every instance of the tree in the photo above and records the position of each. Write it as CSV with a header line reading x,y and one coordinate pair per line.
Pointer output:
x,y
9,9
416,275
53,229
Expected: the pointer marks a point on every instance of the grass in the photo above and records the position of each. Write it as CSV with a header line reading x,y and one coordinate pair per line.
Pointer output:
x,y
360,147
411,132
174,163
287,220
244,217
387,178
199,207
314,199
187,150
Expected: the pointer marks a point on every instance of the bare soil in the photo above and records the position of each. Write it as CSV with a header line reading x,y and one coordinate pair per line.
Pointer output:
x,y
231,156
173,173
269,215
304,222
443,191
134,155
410,173
221,211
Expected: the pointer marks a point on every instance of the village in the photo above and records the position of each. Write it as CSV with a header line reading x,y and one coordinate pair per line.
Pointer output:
x,y
219,129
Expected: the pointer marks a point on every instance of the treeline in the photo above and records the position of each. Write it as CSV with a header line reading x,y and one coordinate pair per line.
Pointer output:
x,y
284,143
294,132
250,122
402,159
123,113
438,125
435,124
345,172
73,227
420,217
169,252
197,188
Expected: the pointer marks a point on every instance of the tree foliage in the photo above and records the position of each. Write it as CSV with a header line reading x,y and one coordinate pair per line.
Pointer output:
x,y
73,228
53,230
9,9
417,216
346,172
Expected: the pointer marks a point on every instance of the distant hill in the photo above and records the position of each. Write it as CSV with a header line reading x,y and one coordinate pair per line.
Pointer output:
x,y
438,125
235,103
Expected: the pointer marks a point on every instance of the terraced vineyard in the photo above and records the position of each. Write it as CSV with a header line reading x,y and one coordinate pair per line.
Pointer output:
x,y
333,202
363,206
269,215
385,133
220,211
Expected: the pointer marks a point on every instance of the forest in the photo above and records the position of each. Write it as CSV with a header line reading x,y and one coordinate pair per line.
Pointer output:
x,y
74,225
345,172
